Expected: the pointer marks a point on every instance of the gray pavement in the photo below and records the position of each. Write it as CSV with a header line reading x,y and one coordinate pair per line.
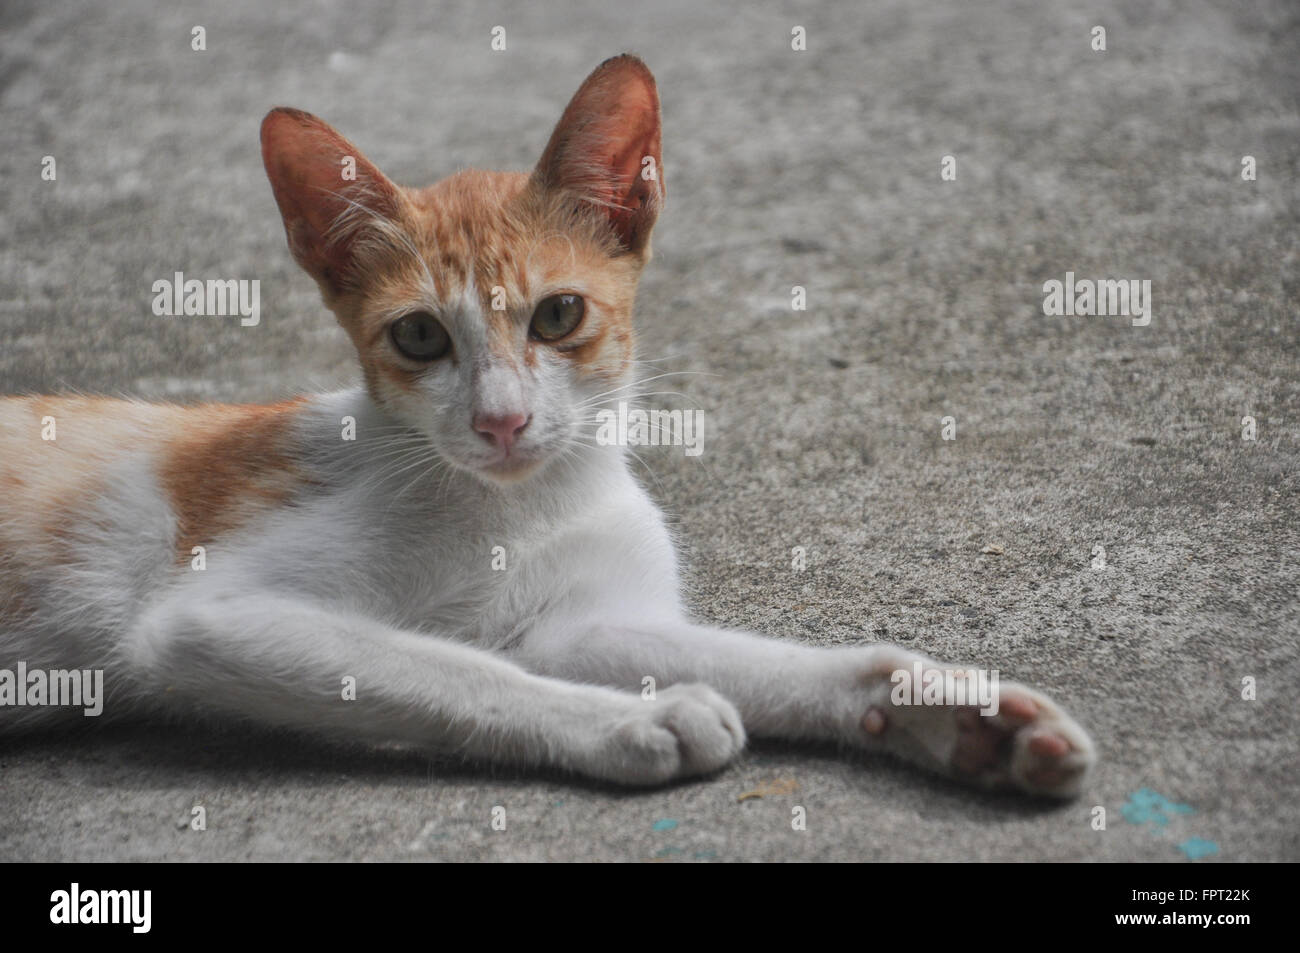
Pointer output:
x,y
820,169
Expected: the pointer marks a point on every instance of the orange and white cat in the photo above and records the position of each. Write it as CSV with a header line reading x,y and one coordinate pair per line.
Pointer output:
x,y
492,315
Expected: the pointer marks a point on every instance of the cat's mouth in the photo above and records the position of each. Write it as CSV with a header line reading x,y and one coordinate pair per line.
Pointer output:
x,y
510,468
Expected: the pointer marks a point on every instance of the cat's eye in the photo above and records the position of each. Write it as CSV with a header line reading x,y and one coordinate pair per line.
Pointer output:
x,y
420,336
557,317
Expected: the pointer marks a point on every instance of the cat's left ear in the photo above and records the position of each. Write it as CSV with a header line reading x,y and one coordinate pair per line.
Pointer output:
x,y
606,149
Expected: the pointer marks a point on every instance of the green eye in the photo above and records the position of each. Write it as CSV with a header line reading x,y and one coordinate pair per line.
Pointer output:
x,y
420,336
557,317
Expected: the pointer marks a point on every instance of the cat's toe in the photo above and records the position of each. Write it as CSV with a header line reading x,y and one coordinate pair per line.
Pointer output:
x,y
1051,754
708,728
1029,745
686,730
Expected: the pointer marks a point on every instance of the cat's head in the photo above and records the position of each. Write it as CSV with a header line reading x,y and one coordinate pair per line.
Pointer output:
x,y
491,310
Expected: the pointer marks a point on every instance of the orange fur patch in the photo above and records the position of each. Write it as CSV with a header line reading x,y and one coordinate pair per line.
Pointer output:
x,y
228,463
48,488
219,465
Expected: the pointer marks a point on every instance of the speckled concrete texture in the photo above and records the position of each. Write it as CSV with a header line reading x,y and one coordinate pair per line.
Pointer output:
x,y
924,300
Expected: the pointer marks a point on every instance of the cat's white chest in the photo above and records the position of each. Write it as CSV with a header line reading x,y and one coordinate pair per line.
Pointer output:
x,y
481,566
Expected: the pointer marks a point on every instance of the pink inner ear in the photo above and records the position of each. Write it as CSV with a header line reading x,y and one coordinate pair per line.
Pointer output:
x,y
597,149
638,123
304,160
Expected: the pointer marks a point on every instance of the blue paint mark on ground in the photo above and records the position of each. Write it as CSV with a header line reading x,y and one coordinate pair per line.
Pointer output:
x,y
667,824
1147,805
1153,811
1195,848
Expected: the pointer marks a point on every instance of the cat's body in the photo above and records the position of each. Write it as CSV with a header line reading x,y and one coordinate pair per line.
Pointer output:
x,y
443,557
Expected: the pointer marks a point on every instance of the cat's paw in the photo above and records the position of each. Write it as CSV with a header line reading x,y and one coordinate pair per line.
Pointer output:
x,y
685,730
1029,744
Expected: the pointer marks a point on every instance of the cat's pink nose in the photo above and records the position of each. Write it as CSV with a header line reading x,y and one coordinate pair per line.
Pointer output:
x,y
501,429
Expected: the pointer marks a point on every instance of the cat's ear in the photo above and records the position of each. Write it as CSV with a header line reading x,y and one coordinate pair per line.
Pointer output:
x,y
330,196
606,149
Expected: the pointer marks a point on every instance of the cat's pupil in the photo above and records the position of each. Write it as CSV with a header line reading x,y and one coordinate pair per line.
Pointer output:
x,y
421,337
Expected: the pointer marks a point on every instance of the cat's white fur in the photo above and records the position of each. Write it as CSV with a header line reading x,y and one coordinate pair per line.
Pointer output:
x,y
385,574
387,578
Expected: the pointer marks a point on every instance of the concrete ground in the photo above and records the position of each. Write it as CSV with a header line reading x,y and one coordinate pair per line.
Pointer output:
x,y
820,169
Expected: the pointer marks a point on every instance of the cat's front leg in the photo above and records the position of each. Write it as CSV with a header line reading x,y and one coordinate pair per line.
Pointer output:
x,y
849,695
282,662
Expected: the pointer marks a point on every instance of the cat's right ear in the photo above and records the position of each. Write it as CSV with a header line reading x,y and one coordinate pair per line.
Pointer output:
x,y
329,194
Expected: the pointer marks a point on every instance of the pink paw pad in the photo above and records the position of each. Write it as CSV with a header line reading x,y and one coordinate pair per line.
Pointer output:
x,y
873,722
1018,708
1049,746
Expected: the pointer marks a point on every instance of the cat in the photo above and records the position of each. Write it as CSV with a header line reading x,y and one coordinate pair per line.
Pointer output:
x,y
442,557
